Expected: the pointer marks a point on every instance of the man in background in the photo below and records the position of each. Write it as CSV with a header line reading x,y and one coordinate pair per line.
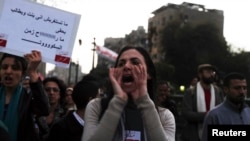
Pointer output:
x,y
198,100
234,109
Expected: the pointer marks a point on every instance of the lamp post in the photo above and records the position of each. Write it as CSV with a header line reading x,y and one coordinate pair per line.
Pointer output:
x,y
69,75
77,68
94,49
77,64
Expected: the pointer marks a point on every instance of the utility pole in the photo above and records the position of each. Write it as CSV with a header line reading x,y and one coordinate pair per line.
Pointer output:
x,y
69,75
94,49
77,64
77,68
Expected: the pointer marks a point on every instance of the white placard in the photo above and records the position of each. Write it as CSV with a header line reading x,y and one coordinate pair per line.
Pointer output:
x,y
26,26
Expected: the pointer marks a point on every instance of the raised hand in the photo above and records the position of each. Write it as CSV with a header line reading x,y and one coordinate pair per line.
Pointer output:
x,y
140,77
115,75
34,59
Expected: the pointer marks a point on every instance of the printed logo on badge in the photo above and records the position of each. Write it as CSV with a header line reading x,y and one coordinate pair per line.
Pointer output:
x,y
133,135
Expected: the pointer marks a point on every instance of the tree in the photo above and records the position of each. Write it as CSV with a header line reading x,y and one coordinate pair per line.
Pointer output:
x,y
186,47
164,71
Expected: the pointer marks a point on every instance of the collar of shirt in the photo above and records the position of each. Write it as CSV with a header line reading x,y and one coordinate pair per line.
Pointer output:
x,y
78,118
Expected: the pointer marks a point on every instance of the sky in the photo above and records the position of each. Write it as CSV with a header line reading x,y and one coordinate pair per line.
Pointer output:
x,y
116,18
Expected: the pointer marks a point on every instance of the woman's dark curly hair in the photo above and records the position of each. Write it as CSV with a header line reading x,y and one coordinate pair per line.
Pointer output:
x,y
61,84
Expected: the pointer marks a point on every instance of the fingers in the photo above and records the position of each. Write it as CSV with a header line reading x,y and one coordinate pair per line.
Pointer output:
x,y
111,73
139,71
115,74
34,55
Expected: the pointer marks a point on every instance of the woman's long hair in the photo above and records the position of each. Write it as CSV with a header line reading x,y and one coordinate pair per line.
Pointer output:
x,y
150,82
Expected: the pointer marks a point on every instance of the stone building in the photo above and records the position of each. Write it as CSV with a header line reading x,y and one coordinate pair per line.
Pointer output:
x,y
185,13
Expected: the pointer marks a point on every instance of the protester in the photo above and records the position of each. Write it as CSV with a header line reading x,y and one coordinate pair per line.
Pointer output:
x,y
129,112
4,135
17,105
234,110
198,100
69,103
193,82
164,97
55,89
70,128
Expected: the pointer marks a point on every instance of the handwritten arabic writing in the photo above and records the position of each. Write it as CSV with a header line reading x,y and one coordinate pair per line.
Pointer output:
x,y
61,32
51,46
36,26
30,14
48,35
43,34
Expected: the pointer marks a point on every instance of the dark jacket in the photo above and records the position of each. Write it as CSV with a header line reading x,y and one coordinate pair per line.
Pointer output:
x,y
33,103
4,135
44,127
191,114
170,104
67,129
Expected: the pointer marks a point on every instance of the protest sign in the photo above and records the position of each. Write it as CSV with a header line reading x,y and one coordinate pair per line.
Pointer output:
x,y
27,26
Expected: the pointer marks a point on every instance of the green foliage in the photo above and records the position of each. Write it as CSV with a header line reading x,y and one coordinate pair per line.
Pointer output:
x,y
164,71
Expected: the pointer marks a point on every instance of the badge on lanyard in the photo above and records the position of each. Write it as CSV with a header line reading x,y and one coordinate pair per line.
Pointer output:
x,y
133,135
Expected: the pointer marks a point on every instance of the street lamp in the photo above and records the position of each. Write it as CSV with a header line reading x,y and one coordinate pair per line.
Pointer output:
x,y
94,49
69,75
77,68
74,67
77,64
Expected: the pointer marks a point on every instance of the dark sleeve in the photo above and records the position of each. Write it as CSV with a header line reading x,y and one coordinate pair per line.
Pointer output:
x,y
4,135
58,132
173,108
189,110
219,97
40,102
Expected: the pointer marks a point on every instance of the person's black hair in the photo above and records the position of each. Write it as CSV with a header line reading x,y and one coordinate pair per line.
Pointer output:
x,y
83,91
89,77
92,77
18,60
61,84
159,83
231,76
150,83
162,82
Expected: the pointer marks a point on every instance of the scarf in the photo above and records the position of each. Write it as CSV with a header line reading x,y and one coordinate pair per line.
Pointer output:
x,y
2,125
11,117
201,103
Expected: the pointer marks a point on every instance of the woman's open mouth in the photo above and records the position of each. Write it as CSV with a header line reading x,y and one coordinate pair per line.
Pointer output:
x,y
127,79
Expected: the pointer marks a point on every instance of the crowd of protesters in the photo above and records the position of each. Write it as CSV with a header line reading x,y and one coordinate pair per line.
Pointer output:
x,y
133,103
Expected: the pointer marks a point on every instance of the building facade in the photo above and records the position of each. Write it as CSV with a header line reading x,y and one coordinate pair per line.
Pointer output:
x,y
185,13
